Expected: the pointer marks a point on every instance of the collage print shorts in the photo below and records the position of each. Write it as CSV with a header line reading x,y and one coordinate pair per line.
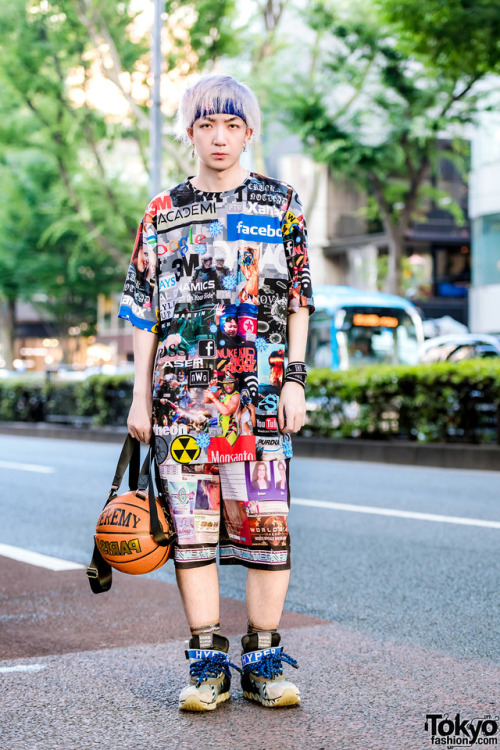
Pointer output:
x,y
240,507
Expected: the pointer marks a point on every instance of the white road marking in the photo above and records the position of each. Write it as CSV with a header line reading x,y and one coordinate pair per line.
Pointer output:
x,y
26,467
396,513
35,558
23,668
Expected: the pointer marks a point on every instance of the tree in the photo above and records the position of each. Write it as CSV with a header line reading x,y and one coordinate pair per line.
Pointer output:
x,y
459,35
374,106
73,217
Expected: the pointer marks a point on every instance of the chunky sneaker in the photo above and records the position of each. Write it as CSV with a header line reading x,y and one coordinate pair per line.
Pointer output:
x,y
262,676
209,672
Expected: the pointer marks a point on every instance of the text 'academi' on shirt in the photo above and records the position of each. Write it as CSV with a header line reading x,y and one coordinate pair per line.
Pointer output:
x,y
215,275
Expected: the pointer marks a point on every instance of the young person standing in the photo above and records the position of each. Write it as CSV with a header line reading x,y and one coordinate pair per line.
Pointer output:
x,y
254,226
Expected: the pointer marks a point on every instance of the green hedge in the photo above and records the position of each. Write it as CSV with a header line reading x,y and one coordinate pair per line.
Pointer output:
x,y
21,400
432,403
104,398
444,402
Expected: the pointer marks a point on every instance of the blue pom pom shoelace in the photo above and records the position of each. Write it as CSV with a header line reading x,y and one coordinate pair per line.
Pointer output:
x,y
270,665
211,666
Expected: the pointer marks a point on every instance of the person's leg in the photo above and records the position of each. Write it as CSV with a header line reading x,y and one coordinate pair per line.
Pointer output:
x,y
265,596
262,658
266,545
199,590
207,649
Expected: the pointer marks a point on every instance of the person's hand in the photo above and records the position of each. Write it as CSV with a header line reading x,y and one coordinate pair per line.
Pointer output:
x,y
139,418
219,311
293,405
209,396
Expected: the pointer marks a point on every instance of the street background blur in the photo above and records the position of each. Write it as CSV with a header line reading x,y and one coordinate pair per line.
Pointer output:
x,y
382,113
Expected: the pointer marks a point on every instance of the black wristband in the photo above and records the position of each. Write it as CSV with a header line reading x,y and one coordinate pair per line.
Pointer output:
x,y
296,372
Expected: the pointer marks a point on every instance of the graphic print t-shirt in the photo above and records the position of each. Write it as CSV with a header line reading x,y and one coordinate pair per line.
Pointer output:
x,y
215,275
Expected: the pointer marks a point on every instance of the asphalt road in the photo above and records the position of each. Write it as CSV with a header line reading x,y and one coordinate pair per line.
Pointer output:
x,y
399,594
413,581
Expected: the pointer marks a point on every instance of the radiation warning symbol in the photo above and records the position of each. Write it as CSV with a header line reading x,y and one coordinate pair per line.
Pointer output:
x,y
184,449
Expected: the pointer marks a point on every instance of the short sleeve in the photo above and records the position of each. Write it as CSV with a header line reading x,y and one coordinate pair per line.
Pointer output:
x,y
139,302
294,233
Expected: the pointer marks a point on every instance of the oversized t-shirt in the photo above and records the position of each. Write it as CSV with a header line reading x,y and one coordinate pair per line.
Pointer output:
x,y
215,275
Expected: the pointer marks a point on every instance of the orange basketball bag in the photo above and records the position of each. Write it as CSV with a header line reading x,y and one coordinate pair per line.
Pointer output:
x,y
134,532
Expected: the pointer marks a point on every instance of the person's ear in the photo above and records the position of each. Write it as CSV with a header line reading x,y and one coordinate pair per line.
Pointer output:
x,y
248,136
189,131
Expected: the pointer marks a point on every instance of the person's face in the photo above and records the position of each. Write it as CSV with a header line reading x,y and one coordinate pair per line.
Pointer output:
x,y
248,256
207,262
142,261
228,387
219,140
220,262
282,471
262,472
231,327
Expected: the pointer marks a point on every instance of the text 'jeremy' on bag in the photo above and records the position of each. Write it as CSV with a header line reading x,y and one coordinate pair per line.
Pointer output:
x,y
134,532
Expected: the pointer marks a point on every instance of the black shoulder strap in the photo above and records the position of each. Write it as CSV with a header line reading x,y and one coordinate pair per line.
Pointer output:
x,y
99,571
131,457
146,484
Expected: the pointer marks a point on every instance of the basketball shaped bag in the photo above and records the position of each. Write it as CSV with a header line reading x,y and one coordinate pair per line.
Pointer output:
x,y
134,531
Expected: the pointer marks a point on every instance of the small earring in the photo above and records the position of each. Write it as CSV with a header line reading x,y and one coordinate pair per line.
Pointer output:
x,y
245,146
192,153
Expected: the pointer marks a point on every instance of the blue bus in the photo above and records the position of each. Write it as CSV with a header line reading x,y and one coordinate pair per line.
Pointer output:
x,y
352,328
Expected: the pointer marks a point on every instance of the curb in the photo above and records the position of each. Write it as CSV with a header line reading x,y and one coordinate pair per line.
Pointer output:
x,y
440,455
63,432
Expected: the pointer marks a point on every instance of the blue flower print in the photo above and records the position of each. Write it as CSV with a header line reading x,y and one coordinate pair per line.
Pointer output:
x,y
213,328
200,249
193,352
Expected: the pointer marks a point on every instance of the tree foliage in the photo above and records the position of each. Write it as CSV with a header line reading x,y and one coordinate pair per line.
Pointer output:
x,y
376,109
70,212
374,90
459,36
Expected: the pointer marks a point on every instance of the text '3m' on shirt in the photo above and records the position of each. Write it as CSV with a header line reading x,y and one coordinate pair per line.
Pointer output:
x,y
215,275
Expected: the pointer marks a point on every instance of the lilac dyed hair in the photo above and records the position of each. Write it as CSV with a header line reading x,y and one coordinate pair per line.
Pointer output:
x,y
217,94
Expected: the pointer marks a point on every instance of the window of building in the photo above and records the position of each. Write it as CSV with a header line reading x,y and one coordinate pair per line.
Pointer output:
x,y
486,248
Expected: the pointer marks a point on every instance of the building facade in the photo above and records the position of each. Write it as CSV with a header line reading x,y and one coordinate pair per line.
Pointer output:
x,y
437,262
484,211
